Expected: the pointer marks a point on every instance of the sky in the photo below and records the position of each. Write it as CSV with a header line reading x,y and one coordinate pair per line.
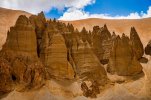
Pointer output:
x,y
82,9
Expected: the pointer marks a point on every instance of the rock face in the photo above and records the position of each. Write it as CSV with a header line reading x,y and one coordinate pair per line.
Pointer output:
x,y
18,38
122,60
54,56
88,65
21,62
5,76
91,91
136,43
39,24
148,48
102,43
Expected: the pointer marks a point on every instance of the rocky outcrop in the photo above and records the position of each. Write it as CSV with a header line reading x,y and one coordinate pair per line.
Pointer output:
x,y
20,53
102,43
87,64
143,60
6,78
122,60
148,48
39,23
136,44
54,57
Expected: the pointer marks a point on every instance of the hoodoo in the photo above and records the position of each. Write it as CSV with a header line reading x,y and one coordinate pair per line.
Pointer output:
x,y
122,59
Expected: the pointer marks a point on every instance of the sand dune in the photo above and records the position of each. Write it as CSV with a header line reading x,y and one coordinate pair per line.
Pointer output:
x,y
143,26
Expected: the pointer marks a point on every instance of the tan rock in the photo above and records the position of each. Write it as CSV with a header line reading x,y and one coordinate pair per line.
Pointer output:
x,y
20,51
22,37
87,64
102,43
122,60
148,48
6,78
54,57
136,43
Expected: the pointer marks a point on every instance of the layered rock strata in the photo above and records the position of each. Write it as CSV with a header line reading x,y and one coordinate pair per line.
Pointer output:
x,y
137,45
122,59
54,57
88,65
20,56
102,43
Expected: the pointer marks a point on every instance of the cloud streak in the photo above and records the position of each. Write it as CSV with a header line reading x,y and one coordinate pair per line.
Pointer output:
x,y
76,14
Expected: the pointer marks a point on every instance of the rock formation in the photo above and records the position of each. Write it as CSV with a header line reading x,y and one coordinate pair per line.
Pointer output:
x,y
136,44
39,24
91,91
148,48
37,50
88,65
102,43
19,54
5,77
122,60
54,56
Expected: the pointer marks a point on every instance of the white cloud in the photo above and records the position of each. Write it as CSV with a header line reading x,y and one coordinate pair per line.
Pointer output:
x,y
35,6
76,14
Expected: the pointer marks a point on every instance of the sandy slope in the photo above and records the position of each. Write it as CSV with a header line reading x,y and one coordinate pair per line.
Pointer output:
x,y
7,19
143,26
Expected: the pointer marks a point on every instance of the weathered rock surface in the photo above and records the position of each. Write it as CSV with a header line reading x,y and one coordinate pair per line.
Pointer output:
x,y
102,43
39,23
54,57
148,48
91,91
88,65
20,53
136,44
143,60
5,77
22,37
122,60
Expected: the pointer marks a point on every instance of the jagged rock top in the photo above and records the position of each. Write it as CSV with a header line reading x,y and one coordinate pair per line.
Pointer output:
x,y
22,20
136,43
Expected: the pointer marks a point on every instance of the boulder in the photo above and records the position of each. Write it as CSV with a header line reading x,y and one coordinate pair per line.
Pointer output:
x,y
122,60
137,45
143,60
148,48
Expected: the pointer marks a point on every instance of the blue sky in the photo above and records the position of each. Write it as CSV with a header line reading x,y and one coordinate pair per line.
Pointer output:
x,y
111,7
82,9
